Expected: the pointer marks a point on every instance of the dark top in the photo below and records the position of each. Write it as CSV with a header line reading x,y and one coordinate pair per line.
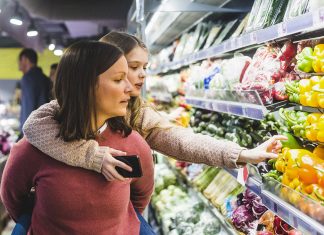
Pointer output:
x,y
35,91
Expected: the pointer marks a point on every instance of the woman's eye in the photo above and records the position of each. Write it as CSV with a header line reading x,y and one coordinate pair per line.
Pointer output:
x,y
133,67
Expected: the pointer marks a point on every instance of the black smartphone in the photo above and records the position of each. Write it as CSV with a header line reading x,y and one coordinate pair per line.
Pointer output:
x,y
134,162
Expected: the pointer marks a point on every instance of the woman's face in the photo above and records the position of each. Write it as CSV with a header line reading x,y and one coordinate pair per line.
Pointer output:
x,y
113,91
137,60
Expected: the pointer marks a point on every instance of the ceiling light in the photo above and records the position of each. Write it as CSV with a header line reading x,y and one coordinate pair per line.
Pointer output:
x,y
51,46
32,31
16,21
58,52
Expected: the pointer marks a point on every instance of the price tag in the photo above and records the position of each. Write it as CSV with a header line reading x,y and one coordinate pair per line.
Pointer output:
x,y
235,109
282,29
253,37
242,175
221,107
318,17
254,113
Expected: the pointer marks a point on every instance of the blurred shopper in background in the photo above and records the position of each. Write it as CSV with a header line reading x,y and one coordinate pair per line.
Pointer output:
x,y
35,86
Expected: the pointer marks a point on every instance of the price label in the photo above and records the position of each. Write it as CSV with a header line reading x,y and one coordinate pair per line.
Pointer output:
x,y
253,37
235,109
242,175
282,29
318,17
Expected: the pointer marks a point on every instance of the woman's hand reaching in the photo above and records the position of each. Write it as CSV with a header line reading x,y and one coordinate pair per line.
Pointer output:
x,y
267,150
109,164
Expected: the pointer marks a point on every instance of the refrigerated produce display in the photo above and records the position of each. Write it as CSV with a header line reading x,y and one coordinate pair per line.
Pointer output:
x,y
244,77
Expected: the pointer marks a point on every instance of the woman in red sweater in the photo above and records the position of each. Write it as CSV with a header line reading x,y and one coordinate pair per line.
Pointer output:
x,y
93,91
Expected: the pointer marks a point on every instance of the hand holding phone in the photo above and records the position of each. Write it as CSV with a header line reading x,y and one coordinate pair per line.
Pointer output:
x,y
134,162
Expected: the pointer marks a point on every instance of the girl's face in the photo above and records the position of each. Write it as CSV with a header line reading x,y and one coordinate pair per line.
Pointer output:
x,y
113,91
137,60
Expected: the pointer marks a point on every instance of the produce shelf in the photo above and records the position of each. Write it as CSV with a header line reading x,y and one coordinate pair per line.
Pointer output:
x,y
305,23
184,182
253,111
287,212
309,109
290,214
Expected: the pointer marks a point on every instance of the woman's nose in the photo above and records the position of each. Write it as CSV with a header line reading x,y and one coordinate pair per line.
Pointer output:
x,y
128,87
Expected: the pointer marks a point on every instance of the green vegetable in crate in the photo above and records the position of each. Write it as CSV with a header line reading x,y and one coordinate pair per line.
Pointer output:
x,y
233,137
206,117
212,128
305,60
203,125
212,228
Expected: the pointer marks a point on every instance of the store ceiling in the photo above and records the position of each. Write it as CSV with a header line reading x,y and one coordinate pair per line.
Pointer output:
x,y
62,20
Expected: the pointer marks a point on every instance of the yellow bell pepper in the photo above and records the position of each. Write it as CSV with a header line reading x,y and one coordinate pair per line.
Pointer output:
x,y
318,62
320,136
303,99
311,132
294,183
313,118
319,51
315,80
280,165
321,83
305,86
320,100
319,151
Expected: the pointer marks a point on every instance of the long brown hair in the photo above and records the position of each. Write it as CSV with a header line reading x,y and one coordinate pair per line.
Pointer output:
x,y
127,42
75,88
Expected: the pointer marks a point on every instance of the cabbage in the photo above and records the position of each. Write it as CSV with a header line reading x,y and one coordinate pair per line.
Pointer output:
x,y
258,208
243,219
248,198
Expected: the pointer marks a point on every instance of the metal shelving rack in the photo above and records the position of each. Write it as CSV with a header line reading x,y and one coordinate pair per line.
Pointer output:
x,y
309,22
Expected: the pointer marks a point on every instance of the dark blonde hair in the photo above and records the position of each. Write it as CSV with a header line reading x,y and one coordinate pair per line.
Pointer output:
x,y
127,42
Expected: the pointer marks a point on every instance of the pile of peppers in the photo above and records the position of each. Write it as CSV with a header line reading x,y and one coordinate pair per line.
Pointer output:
x,y
308,92
304,125
303,171
294,121
310,60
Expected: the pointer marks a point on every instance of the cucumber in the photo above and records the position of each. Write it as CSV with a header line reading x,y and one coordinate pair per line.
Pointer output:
x,y
212,128
203,125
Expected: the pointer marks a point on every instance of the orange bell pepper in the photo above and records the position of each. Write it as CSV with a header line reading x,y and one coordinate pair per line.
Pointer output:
x,y
307,176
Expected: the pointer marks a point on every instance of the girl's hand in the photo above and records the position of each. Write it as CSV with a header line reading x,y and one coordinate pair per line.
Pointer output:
x,y
109,164
266,150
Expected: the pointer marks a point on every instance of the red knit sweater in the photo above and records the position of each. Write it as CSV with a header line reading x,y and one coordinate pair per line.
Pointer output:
x,y
71,200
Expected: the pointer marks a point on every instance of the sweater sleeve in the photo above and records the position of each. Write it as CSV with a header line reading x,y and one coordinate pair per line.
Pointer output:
x,y
18,179
142,188
41,130
182,144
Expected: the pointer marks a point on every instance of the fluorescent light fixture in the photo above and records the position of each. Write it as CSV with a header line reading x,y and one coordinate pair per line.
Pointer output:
x,y
32,33
51,46
58,52
16,21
